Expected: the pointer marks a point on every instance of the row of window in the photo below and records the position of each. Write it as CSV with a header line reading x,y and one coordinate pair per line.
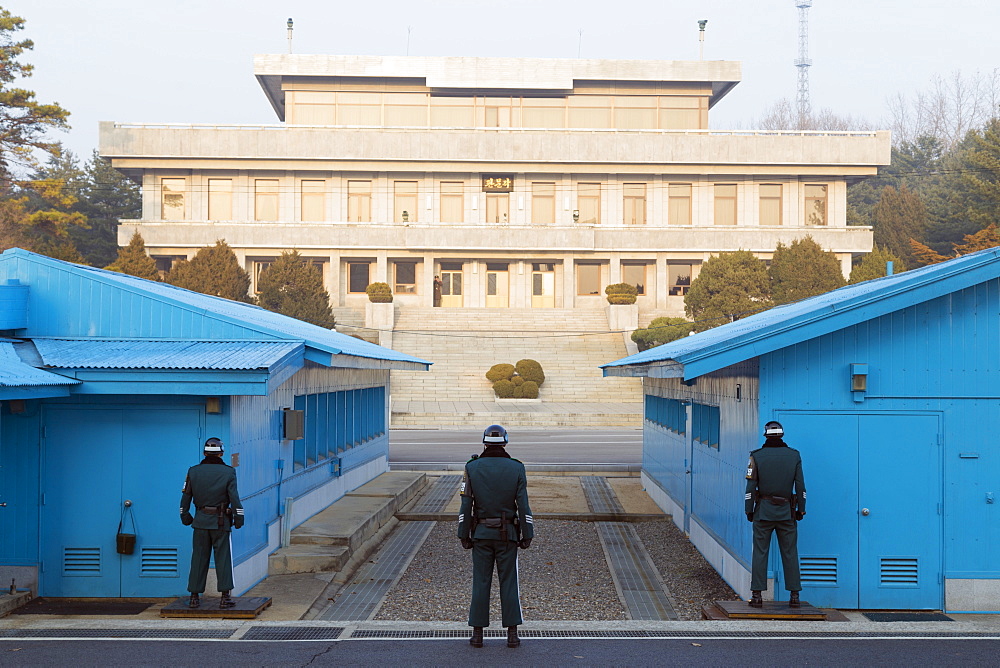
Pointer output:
x,y
671,415
338,421
312,195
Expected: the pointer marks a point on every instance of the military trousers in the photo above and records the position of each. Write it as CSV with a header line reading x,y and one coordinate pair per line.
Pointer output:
x,y
203,545
788,535
486,553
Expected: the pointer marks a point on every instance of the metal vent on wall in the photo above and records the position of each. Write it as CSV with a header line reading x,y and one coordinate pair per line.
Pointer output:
x,y
159,562
818,570
81,561
898,571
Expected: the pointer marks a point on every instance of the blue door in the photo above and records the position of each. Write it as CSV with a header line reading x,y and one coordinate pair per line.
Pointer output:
x,y
873,533
94,461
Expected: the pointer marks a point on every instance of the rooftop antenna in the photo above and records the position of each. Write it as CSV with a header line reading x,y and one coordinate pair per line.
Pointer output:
x,y
701,38
409,29
803,62
579,43
289,24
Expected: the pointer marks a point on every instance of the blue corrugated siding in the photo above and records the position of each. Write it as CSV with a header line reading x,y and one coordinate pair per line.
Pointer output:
x,y
153,354
941,356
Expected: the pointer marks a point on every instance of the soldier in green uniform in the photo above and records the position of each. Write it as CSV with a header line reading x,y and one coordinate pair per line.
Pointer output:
x,y
494,521
775,501
212,486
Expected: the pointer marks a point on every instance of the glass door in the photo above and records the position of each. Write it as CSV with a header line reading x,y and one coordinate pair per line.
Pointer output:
x,y
451,288
497,207
543,285
497,286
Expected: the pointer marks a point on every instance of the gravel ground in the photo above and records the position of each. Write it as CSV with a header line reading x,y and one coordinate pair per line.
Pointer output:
x,y
690,579
564,575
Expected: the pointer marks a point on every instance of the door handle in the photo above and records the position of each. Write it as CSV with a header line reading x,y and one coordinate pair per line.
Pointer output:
x,y
128,503
865,512
3,505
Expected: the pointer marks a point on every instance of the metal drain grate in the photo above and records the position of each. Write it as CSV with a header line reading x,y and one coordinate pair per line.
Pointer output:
x,y
437,497
637,580
907,616
385,634
293,633
601,497
194,634
360,599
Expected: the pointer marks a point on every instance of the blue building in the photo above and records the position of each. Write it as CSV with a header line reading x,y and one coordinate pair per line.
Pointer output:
x,y
109,386
891,391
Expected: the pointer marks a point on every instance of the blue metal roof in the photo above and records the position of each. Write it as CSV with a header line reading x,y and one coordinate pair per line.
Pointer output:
x,y
15,373
786,325
147,354
331,347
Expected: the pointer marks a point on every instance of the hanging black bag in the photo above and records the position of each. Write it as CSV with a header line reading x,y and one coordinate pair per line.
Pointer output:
x,y
125,542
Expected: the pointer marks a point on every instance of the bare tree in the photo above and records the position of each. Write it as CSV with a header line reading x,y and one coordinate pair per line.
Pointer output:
x,y
782,115
948,109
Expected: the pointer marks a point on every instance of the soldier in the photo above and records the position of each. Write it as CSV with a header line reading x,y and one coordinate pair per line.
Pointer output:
x,y
775,501
494,522
212,486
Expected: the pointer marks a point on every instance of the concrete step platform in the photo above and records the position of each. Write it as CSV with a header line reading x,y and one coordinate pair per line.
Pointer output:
x,y
400,485
308,559
771,610
247,607
11,602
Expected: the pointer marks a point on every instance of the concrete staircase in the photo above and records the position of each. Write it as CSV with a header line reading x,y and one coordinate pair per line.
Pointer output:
x,y
570,344
351,321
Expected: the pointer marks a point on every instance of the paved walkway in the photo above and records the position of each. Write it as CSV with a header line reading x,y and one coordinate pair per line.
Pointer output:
x,y
524,414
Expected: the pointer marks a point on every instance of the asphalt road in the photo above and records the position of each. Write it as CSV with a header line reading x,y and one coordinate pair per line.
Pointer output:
x,y
531,446
647,652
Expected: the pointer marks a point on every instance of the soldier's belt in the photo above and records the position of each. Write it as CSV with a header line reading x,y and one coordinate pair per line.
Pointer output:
x,y
776,499
213,510
491,522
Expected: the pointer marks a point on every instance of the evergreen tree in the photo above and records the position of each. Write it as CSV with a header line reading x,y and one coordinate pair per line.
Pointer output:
x,y
980,179
873,265
730,286
105,197
134,261
924,254
38,216
803,270
214,270
898,217
293,287
660,331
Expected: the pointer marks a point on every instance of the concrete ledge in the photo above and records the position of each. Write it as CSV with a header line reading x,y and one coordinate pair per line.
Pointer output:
x,y
349,522
11,602
400,485
573,517
307,559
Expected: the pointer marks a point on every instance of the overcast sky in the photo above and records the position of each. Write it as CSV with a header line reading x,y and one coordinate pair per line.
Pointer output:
x,y
190,61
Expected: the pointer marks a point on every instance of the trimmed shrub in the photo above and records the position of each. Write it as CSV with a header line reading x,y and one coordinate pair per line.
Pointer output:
x,y
517,380
500,372
621,299
519,392
530,370
621,293
504,389
660,331
529,389
379,293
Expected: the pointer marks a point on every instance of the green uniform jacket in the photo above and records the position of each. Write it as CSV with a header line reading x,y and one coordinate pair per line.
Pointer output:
x,y
211,483
774,470
494,486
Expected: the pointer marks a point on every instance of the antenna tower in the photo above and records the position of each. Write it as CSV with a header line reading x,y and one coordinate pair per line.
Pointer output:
x,y
803,62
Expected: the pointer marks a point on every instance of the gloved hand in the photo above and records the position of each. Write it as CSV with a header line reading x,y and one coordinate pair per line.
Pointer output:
x,y
238,521
186,519
749,517
466,543
524,543
800,515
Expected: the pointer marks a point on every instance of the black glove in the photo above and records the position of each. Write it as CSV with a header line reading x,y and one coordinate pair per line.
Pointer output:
x,y
799,515
466,543
749,517
524,543
186,519
238,521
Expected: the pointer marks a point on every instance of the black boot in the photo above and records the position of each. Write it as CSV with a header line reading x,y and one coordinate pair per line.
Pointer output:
x,y
793,600
477,636
755,600
512,639
194,601
226,601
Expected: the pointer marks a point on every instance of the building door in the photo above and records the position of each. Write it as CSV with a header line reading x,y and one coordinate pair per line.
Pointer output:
x,y
543,285
872,536
451,288
497,207
94,460
497,288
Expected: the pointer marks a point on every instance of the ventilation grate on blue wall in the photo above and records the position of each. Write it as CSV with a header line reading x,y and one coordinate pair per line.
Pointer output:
x,y
898,571
818,570
159,562
81,561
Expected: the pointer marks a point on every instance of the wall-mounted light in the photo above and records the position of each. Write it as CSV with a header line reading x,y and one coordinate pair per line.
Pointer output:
x,y
475,202
576,215
859,381
520,202
213,405
16,406
406,217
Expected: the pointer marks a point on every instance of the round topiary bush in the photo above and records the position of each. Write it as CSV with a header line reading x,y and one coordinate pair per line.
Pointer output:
x,y
518,392
379,293
530,370
529,389
500,372
517,380
504,389
621,299
621,293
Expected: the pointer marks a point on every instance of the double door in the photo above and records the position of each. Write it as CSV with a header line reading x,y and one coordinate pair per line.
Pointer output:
x,y
451,288
497,289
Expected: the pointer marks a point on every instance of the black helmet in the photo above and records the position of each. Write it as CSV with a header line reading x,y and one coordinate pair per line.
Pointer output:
x,y
213,446
495,435
773,430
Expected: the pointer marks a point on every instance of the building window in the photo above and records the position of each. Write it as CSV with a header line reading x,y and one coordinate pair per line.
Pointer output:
x,y
405,201
359,201
258,267
164,263
725,204
679,275
588,202
588,279
667,413
635,274
543,113
406,277
173,206
359,108
635,203
815,204
679,204
313,201
770,204
336,422
357,277
705,425
265,199
452,202
543,203
220,199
